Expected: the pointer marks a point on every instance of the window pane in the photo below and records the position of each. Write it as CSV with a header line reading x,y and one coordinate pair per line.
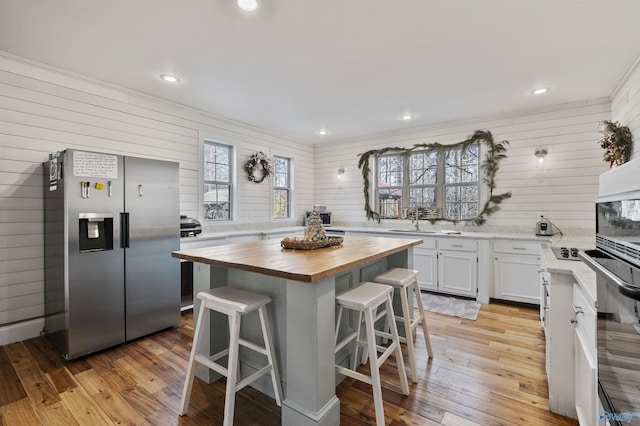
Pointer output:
x,y
462,202
462,166
217,202
452,166
390,170
209,171
452,211
468,210
281,187
281,204
469,194
222,173
423,168
389,201
281,172
216,163
470,156
424,197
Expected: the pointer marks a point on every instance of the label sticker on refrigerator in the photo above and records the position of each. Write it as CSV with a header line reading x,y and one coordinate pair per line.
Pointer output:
x,y
93,164
53,174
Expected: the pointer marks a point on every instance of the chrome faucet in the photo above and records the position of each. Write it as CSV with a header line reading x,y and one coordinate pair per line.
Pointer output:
x,y
415,218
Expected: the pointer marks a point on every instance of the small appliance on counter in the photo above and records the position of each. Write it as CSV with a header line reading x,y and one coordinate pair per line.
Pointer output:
x,y
189,226
544,227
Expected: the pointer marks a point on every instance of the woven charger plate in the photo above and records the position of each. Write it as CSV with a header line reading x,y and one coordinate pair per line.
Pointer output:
x,y
308,245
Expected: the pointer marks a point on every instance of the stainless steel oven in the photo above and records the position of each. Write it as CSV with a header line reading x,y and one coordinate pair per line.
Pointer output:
x,y
616,261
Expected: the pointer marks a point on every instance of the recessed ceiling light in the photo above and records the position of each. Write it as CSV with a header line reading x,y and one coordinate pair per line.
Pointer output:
x,y
539,90
248,5
407,116
169,78
323,132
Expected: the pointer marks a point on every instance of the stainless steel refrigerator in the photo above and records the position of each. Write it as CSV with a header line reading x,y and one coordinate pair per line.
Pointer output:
x,y
110,225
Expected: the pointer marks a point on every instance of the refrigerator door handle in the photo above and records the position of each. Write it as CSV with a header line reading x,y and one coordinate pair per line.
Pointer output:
x,y
124,230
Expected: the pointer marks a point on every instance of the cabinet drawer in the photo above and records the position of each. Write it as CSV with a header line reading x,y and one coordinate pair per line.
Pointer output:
x,y
586,324
457,244
516,247
427,244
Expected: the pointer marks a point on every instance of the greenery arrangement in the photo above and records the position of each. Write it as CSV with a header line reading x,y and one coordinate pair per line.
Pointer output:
x,y
495,153
261,163
616,141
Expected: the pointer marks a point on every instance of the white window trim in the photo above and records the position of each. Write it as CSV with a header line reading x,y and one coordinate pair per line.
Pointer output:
x,y
234,179
292,192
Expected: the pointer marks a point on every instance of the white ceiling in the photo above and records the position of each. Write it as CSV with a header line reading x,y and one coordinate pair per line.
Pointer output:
x,y
352,66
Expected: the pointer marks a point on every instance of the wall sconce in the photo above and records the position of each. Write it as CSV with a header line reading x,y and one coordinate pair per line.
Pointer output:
x,y
541,152
340,173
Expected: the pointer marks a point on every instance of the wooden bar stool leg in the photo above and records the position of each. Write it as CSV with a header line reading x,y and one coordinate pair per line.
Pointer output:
x,y
232,368
374,367
191,369
404,385
422,319
271,357
354,357
408,332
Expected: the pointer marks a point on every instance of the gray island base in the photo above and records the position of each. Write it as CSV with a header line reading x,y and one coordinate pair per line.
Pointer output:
x,y
302,285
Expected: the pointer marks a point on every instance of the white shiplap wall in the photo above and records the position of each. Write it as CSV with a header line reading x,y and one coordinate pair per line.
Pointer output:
x,y
625,105
564,190
43,110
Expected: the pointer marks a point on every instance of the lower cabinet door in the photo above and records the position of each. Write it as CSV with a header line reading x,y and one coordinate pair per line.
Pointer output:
x,y
516,278
458,272
424,261
586,376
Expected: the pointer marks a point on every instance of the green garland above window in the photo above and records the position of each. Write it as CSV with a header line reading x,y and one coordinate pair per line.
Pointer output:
x,y
495,153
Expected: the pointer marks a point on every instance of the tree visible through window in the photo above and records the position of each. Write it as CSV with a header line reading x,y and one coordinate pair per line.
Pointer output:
x,y
449,180
217,181
281,187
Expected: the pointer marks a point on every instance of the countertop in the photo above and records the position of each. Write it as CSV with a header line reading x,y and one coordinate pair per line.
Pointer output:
x,y
267,257
581,273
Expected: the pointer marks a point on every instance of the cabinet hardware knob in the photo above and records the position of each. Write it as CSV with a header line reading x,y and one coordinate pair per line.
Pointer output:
x,y
574,321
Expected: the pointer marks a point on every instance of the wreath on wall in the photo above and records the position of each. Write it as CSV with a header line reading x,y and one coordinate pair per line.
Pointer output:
x,y
616,142
258,167
490,165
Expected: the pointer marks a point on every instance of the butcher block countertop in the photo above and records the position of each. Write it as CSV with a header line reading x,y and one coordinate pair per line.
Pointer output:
x,y
269,258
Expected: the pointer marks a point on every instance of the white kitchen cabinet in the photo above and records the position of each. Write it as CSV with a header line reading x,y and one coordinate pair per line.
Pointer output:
x,y
559,335
458,267
515,268
585,352
425,261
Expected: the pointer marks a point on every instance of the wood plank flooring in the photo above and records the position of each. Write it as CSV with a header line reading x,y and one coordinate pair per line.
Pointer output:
x,y
485,372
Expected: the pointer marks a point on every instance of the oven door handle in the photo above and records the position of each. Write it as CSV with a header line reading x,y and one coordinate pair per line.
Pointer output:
x,y
623,286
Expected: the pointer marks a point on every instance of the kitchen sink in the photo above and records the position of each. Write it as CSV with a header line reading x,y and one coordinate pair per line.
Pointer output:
x,y
413,231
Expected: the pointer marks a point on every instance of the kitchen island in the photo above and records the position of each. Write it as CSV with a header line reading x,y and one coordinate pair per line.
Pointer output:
x,y
302,285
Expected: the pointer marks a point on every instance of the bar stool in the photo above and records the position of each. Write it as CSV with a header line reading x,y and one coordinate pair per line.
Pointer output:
x,y
234,303
405,280
366,299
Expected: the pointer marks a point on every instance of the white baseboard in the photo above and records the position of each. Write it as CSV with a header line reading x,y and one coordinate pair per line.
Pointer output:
x,y
21,331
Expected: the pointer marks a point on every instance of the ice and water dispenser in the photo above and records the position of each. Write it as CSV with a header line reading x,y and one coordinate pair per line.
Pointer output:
x,y
96,231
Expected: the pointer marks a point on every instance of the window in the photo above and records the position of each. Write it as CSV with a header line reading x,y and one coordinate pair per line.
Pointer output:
x,y
281,187
218,187
449,181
